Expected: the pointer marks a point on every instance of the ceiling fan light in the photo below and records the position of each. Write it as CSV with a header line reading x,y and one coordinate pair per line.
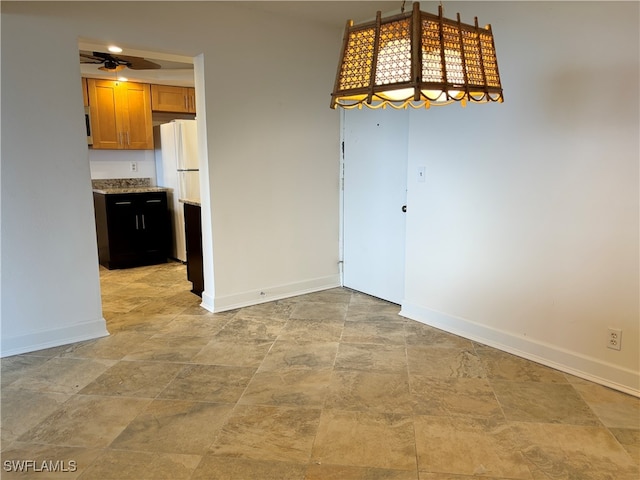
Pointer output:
x,y
111,67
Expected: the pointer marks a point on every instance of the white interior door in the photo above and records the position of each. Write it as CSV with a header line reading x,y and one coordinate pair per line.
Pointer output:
x,y
375,191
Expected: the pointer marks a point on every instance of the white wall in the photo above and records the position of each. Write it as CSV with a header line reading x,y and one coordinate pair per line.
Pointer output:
x,y
525,234
272,147
50,284
117,164
274,177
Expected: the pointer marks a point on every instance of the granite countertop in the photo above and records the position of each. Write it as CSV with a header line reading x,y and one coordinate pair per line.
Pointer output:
x,y
189,201
108,186
114,190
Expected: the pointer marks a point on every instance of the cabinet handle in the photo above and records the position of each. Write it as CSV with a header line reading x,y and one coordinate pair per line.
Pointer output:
x,y
123,203
186,102
137,222
128,139
154,201
143,225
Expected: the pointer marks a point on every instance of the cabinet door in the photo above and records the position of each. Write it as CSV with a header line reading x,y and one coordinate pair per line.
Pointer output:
x,y
191,99
193,234
105,116
120,115
124,229
135,101
155,228
166,98
85,94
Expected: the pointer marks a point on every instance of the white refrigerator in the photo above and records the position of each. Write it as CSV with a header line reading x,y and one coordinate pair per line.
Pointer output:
x,y
177,167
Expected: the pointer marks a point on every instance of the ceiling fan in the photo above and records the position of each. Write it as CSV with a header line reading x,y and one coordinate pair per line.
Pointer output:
x,y
112,63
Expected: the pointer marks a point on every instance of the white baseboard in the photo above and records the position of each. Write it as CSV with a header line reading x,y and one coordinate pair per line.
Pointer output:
x,y
53,338
589,368
207,301
268,294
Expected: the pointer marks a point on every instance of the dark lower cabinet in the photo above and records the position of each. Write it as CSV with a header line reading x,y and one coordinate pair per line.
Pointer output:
x,y
133,229
193,234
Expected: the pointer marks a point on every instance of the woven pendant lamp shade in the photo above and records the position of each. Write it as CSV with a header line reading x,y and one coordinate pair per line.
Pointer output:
x,y
416,59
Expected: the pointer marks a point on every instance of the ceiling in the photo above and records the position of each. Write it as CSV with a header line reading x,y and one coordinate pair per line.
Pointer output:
x,y
171,72
178,70
332,14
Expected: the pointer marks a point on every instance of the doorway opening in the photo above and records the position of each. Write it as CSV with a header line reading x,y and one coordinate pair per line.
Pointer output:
x,y
154,291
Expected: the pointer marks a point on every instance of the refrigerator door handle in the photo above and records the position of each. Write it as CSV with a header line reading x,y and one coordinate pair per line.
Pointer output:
x,y
179,149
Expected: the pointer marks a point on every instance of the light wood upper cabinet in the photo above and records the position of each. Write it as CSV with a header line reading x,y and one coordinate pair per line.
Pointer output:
x,y
120,115
85,94
167,98
191,96
139,129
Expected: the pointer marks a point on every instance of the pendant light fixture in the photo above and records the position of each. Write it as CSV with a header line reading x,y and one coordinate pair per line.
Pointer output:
x,y
416,59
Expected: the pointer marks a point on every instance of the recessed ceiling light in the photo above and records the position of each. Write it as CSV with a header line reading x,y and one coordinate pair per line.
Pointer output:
x,y
114,49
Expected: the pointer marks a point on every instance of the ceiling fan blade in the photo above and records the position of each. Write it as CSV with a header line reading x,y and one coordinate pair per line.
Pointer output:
x,y
112,63
138,63
92,58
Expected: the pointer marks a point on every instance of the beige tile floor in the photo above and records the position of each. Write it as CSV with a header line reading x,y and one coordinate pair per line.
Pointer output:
x,y
330,385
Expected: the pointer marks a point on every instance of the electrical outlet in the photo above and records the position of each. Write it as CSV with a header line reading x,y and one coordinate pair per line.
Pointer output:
x,y
133,166
614,339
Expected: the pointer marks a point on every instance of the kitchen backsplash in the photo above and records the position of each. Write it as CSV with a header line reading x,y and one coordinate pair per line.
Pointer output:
x,y
122,164
120,183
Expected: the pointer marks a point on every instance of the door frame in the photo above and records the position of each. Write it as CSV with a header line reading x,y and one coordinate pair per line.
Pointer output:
x,y
341,201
